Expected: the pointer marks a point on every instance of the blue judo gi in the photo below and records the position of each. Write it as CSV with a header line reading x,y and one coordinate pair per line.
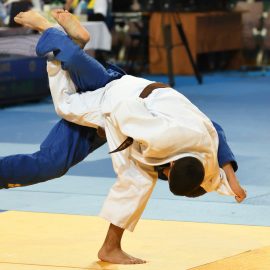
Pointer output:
x,y
67,144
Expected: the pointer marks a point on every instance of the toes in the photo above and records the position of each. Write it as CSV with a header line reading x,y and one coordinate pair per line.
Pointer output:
x,y
58,10
137,261
19,15
18,20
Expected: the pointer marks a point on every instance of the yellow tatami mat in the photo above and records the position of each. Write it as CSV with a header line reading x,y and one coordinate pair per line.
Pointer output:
x,y
37,241
255,259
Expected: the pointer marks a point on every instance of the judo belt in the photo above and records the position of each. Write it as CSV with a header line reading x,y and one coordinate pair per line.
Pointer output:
x,y
144,94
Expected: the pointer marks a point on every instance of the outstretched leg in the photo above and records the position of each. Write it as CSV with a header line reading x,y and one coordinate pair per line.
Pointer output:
x,y
66,145
86,72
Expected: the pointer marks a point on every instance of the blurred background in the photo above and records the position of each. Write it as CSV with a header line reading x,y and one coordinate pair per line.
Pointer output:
x,y
156,37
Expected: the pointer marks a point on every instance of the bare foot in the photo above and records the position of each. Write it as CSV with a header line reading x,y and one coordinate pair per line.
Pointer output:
x,y
72,26
33,20
117,256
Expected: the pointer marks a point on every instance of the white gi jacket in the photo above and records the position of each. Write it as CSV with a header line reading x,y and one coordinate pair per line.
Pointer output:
x,y
165,126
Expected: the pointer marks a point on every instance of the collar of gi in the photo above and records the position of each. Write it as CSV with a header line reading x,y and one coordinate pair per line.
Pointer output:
x,y
159,169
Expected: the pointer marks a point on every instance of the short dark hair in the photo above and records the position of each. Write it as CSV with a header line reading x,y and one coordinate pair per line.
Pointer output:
x,y
197,192
186,175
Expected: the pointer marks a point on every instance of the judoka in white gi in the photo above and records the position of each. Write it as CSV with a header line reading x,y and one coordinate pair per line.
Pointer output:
x,y
166,129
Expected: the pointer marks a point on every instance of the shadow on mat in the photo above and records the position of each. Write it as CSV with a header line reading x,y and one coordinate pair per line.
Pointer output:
x,y
99,265
98,168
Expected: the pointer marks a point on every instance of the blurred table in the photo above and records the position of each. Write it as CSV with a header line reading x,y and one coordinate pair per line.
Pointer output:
x,y
21,41
206,32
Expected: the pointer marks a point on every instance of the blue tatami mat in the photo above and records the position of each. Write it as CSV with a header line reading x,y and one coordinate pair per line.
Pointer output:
x,y
239,101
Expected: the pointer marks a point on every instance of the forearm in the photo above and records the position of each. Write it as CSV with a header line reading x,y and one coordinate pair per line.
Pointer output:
x,y
240,193
82,109
225,154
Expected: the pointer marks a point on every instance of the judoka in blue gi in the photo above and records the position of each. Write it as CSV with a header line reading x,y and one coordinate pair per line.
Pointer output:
x,y
67,144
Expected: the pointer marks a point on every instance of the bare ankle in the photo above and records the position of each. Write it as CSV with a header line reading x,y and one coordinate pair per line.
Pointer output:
x,y
44,27
106,252
108,248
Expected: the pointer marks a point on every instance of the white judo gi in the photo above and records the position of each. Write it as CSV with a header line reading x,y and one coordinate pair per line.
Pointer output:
x,y
165,126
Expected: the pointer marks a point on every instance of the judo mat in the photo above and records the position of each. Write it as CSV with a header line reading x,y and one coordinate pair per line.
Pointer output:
x,y
54,225
36,241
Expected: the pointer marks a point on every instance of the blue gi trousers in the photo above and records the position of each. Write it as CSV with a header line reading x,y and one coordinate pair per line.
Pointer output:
x,y
68,143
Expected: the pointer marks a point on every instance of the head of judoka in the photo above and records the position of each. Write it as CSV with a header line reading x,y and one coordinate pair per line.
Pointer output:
x,y
185,176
